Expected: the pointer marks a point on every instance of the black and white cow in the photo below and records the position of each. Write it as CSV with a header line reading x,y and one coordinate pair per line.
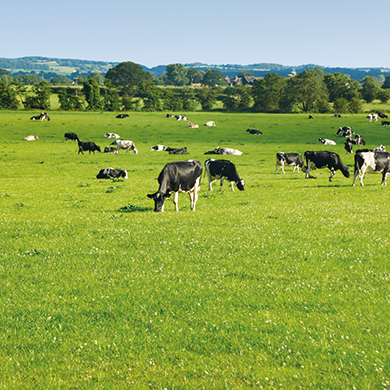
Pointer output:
x,y
336,116
359,140
170,116
108,173
70,136
128,145
325,159
112,135
35,118
380,148
325,141
222,169
348,145
254,132
122,116
43,116
382,115
178,176
158,148
178,151
371,162
372,117
385,123
293,159
109,149
345,131
88,146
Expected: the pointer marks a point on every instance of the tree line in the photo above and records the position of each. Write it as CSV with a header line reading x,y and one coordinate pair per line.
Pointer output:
x,y
128,87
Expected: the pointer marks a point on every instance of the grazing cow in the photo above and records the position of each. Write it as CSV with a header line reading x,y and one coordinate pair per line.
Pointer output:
x,y
108,173
222,169
181,118
345,131
70,136
254,132
322,159
112,135
178,151
382,115
88,146
311,117
122,116
158,148
348,145
293,159
359,140
210,123
326,141
170,116
128,145
380,148
109,149
371,162
385,123
35,118
193,125
178,176
31,138
336,116
372,117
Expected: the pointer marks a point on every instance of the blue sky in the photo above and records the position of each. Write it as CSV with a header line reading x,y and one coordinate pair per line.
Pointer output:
x,y
152,32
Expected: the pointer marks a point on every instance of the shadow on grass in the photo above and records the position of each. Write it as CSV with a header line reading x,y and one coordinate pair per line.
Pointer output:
x,y
131,208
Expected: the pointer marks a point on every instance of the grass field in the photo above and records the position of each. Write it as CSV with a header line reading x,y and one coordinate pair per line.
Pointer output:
x,y
285,285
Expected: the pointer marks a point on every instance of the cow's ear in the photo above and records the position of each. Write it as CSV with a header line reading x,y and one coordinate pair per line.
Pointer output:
x,y
150,196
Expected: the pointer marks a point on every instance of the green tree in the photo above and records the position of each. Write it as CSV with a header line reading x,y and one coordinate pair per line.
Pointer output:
x,y
341,86
355,105
207,97
237,98
91,90
98,77
195,75
128,76
386,84
370,89
41,99
308,90
171,100
8,97
130,103
341,105
111,100
177,75
213,78
267,92
384,95
151,95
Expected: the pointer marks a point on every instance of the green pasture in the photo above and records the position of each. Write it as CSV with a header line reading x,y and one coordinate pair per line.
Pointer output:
x,y
284,285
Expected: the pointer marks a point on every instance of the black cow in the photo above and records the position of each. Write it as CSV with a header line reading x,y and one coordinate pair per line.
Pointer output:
x,y
222,169
178,176
385,123
108,173
109,149
254,132
177,151
122,116
35,118
70,136
88,146
294,159
382,115
322,159
371,162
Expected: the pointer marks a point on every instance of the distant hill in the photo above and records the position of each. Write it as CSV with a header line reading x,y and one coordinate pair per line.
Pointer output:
x,y
72,67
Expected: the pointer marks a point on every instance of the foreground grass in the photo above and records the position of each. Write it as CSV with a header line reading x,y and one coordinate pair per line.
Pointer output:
x,y
283,285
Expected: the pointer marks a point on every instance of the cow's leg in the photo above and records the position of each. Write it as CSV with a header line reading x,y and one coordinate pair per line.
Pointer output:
x,y
176,200
355,174
231,185
361,175
385,172
308,170
220,187
332,173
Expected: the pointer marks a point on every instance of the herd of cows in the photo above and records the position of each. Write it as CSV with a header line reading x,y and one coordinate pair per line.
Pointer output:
x,y
184,176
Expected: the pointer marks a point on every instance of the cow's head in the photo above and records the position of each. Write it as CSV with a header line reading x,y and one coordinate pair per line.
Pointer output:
x,y
240,185
114,143
159,200
135,150
98,149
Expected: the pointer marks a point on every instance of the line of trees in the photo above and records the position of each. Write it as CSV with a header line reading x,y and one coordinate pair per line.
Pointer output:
x,y
127,86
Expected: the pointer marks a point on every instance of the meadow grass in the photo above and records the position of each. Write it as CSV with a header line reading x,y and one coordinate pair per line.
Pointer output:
x,y
285,285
